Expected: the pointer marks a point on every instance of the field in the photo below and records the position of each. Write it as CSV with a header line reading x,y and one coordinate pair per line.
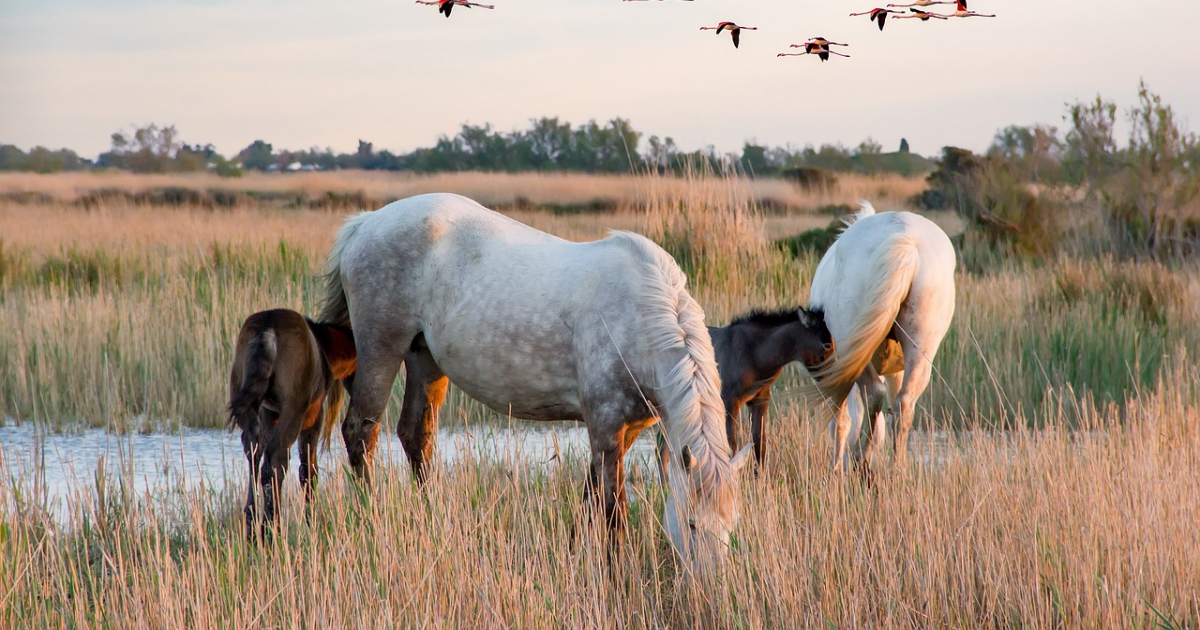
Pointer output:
x,y
1056,483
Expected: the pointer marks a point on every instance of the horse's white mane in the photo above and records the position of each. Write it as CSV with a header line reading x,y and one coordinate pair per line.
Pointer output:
x,y
689,390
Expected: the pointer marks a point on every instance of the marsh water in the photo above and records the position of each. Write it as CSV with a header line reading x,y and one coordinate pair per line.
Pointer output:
x,y
53,466
48,468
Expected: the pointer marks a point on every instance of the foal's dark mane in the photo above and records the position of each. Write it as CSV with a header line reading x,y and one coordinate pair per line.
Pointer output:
x,y
777,317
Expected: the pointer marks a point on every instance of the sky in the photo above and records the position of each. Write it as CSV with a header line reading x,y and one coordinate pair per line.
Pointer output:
x,y
305,73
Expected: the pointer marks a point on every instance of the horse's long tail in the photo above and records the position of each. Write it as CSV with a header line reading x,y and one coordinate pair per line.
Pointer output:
x,y
895,265
335,309
256,379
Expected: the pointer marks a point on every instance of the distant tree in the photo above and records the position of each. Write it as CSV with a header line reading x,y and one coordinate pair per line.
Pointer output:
x,y
258,156
12,158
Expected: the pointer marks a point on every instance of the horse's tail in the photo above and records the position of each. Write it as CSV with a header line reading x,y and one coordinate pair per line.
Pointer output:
x,y
334,308
256,379
333,408
893,269
865,209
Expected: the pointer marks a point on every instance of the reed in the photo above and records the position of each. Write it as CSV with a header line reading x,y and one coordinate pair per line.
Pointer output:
x,y
1045,528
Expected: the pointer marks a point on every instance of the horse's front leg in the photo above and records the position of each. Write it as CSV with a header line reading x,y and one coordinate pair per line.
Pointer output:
x,y
605,489
758,417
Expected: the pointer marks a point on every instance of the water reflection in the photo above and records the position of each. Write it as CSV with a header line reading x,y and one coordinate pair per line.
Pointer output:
x,y
54,466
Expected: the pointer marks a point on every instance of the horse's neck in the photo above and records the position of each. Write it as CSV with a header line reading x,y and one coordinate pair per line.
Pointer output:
x,y
775,348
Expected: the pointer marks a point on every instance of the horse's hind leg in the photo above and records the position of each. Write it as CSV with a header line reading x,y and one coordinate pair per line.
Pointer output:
x,y
874,425
424,391
919,350
308,459
292,417
253,447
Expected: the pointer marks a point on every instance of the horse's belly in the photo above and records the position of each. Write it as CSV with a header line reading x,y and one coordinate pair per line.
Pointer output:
x,y
528,373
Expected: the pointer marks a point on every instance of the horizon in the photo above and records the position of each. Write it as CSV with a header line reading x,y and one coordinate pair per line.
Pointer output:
x,y
228,72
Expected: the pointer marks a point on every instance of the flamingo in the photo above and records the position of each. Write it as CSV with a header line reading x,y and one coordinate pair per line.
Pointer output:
x,y
445,6
962,12
921,15
818,46
922,3
734,30
877,15
813,49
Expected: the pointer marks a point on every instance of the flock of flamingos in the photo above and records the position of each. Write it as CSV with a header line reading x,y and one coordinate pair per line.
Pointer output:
x,y
818,46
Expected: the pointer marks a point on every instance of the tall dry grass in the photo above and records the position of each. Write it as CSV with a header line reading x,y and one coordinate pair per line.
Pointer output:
x,y
562,189
1080,514
1039,529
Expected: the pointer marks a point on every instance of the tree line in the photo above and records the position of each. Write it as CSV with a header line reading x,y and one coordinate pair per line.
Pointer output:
x,y
547,145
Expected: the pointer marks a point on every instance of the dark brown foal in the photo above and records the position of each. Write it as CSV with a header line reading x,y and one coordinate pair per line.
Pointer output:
x,y
286,383
751,353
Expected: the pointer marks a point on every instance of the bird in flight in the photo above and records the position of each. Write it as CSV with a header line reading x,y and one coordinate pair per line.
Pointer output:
x,y
877,15
922,3
818,46
961,11
445,6
920,15
735,31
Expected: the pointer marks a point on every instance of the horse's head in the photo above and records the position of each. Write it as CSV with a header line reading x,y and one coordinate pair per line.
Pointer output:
x,y
816,342
701,508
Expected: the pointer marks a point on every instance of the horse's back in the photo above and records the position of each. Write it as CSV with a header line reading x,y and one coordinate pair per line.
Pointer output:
x,y
495,299
856,249
295,356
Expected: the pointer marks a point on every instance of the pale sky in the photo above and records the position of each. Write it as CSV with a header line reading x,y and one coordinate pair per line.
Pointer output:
x,y
301,73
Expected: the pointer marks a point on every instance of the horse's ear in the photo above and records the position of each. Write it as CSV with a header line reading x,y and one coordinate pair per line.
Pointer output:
x,y
743,456
685,459
806,318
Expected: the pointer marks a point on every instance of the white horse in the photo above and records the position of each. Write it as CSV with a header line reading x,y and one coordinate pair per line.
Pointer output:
x,y
887,289
538,328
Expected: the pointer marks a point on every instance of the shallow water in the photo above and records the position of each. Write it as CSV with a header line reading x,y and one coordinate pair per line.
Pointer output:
x,y
52,467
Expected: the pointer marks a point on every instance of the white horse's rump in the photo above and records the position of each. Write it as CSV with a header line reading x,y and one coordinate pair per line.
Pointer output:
x,y
888,279
537,327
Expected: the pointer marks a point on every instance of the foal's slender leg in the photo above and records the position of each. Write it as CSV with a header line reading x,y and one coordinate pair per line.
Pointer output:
x,y
253,448
758,417
424,391
308,458
733,412
292,417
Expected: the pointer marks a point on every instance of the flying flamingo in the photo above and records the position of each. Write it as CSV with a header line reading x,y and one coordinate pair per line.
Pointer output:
x,y
922,3
961,11
877,15
921,15
734,30
445,6
813,49
818,46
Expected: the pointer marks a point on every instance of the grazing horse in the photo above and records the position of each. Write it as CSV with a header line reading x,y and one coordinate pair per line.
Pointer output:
x,y
751,353
538,328
887,289
286,383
